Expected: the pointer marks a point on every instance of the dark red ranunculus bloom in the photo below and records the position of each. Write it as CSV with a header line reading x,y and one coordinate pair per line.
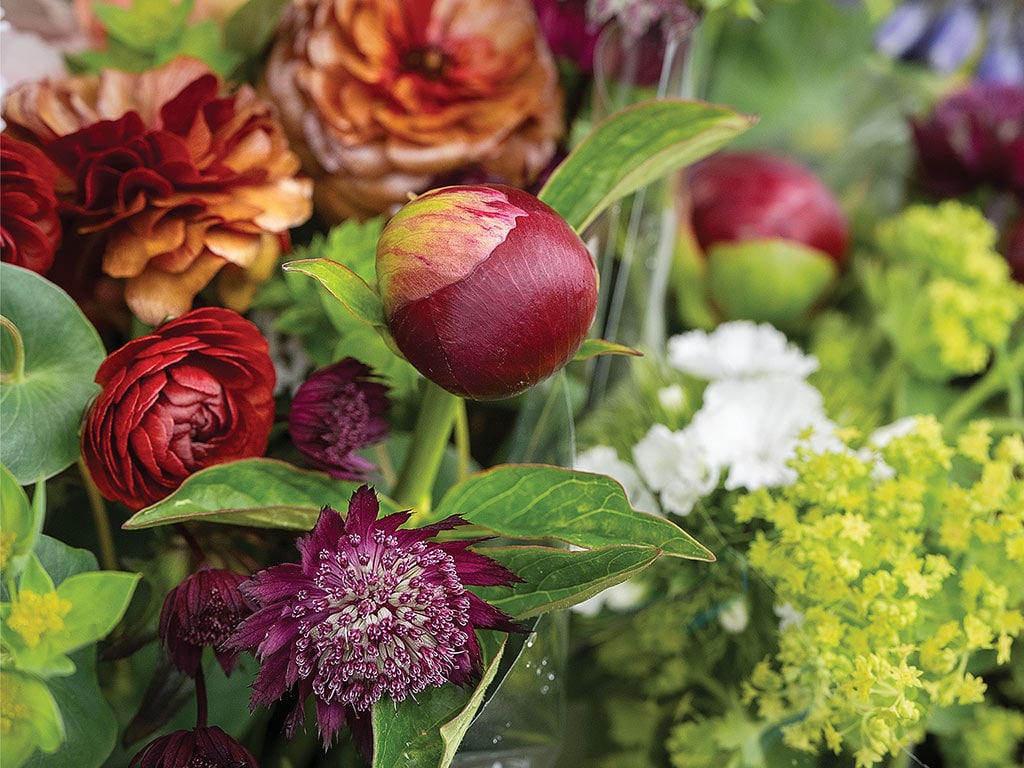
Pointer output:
x,y
338,410
30,228
200,748
196,392
203,611
371,610
972,139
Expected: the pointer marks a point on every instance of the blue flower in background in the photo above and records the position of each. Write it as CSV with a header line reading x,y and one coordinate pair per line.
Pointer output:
x,y
949,34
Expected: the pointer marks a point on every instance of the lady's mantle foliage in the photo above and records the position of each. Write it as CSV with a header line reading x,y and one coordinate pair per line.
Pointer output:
x,y
371,610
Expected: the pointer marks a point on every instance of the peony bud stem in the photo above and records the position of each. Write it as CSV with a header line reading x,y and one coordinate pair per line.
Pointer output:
x,y
430,437
100,519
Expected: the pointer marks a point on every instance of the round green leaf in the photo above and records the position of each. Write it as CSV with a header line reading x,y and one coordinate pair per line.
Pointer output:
x,y
43,406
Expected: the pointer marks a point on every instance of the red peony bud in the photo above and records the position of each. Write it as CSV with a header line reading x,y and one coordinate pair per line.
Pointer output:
x,y
486,290
743,196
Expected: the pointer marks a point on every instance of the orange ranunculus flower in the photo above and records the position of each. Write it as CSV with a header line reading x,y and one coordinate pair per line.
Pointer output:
x,y
383,97
172,177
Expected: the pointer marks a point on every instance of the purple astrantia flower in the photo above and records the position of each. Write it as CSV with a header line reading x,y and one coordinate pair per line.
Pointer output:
x,y
372,610
337,411
202,611
974,138
200,748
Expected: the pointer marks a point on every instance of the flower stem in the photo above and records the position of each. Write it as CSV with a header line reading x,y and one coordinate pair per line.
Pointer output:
x,y
433,429
201,704
100,519
17,373
462,447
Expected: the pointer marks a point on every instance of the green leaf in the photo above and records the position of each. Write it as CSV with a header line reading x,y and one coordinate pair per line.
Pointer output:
x,y
346,286
89,722
98,601
264,493
146,24
43,408
632,148
36,726
20,523
559,578
203,40
536,501
594,347
249,29
426,731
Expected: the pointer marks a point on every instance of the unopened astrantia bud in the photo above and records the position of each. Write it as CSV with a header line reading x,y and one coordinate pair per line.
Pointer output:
x,y
199,748
486,289
203,611
338,410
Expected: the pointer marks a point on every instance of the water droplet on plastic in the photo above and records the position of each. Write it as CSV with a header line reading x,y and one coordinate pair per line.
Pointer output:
x,y
545,688
551,675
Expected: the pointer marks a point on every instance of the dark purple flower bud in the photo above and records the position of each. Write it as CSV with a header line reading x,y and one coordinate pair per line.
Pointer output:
x,y
206,747
972,139
338,410
203,611
486,289
570,33
371,610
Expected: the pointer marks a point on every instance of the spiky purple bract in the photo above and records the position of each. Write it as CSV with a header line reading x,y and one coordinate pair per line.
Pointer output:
x,y
371,610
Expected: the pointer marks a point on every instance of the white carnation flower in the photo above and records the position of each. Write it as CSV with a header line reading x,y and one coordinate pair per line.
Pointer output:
x,y
673,464
603,460
751,427
734,617
738,350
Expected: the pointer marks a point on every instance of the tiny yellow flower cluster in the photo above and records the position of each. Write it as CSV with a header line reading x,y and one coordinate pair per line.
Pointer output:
x,y
964,301
32,615
896,582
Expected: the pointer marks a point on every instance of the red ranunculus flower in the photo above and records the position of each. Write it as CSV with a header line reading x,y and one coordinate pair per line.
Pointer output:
x,y
196,392
30,228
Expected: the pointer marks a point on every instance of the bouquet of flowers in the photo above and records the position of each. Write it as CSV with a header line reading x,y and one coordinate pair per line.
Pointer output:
x,y
378,377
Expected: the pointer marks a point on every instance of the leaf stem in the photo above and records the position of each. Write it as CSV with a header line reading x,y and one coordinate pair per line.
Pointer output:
x,y
100,519
17,375
432,431
1005,374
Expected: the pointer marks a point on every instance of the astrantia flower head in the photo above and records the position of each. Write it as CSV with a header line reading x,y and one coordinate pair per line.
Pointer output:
x,y
737,350
372,610
200,748
337,411
202,611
